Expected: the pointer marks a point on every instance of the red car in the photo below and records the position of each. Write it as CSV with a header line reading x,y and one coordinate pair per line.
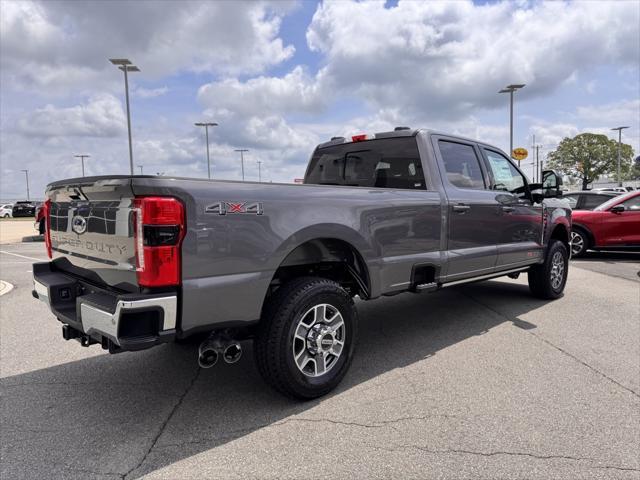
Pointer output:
x,y
613,225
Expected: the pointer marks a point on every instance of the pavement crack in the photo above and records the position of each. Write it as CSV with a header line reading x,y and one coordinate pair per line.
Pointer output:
x,y
164,424
508,453
242,431
561,350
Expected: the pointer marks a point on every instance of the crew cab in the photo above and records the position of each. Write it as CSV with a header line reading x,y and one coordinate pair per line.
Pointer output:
x,y
141,260
613,225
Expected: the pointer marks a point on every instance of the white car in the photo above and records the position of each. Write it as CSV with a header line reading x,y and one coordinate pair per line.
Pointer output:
x,y
6,210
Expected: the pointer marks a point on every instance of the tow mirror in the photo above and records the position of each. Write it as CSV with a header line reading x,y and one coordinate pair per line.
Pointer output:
x,y
617,209
551,183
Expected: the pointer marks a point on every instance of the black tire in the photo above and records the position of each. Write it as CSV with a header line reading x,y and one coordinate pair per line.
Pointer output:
x,y
542,282
274,342
580,242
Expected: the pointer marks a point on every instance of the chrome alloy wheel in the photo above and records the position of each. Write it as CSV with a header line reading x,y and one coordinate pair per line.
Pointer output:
x,y
577,243
319,340
557,270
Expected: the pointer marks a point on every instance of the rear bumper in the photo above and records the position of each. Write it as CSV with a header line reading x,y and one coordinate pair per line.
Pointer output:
x,y
119,322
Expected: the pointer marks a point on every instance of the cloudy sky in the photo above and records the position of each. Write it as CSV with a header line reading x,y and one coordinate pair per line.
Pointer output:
x,y
282,76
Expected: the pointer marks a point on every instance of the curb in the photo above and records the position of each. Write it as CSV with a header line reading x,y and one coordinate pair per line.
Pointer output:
x,y
33,238
5,287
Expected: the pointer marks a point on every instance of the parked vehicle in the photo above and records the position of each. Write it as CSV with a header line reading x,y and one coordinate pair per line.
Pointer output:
x,y
613,189
614,225
40,223
6,210
588,199
23,209
143,260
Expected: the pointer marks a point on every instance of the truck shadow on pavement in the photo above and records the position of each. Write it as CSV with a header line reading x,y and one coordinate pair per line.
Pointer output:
x,y
134,413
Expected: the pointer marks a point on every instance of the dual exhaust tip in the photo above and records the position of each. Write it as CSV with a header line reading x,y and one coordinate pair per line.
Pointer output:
x,y
215,347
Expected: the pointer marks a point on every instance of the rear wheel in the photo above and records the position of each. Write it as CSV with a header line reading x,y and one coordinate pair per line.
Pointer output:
x,y
548,279
579,242
306,338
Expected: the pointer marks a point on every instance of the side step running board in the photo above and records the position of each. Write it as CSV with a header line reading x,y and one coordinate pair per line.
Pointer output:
x,y
426,287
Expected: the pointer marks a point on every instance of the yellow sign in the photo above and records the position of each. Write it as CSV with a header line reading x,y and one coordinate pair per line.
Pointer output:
x,y
520,153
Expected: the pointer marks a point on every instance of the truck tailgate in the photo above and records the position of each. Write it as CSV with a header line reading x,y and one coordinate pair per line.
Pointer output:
x,y
92,230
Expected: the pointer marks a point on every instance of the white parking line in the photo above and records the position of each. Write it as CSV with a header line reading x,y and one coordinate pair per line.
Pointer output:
x,y
22,256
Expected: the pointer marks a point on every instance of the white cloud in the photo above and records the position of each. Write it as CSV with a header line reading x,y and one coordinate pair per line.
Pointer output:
x,y
101,116
295,91
57,44
448,58
150,92
613,114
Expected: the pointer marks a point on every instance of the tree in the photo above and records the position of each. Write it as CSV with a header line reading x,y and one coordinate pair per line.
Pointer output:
x,y
588,156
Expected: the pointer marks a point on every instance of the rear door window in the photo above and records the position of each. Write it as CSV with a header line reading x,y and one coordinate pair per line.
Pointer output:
x,y
573,200
589,202
383,163
461,164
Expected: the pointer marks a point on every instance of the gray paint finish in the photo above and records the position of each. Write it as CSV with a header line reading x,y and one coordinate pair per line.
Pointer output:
x,y
229,260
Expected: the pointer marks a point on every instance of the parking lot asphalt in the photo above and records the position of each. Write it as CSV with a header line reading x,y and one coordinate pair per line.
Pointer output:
x,y
476,381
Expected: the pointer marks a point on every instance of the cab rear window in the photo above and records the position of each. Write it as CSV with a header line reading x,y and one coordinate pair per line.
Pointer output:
x,y
383,163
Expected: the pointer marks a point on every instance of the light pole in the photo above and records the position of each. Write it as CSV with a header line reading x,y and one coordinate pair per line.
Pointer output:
x,y
241,150
140,167
619,129
510,89
26,172
82,157
126,66
259,171
206,126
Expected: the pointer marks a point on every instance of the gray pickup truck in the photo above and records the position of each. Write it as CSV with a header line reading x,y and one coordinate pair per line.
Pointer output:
x,y
141,260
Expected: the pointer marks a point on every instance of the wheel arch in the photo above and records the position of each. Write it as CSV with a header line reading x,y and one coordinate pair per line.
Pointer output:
x,y
328,257
587,231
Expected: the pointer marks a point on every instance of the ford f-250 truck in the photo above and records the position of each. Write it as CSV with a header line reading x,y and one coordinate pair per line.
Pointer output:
x,y
141,260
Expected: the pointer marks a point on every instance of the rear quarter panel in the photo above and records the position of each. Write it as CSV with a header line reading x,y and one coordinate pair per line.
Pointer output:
x,y
229,260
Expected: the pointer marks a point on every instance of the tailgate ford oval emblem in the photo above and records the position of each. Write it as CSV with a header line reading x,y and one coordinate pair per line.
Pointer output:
x,y
79,224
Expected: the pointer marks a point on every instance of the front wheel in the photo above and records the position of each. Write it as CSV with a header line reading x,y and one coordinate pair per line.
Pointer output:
x,y
306,338
548,279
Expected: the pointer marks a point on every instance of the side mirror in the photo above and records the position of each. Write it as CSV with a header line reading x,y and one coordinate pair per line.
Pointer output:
x,y
551,183
617,209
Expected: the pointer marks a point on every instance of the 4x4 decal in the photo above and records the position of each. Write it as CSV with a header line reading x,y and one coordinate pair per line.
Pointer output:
x,y
222,208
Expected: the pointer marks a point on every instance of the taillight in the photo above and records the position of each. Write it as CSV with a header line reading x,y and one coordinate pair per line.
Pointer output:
x,y
46,211
159,229
360,138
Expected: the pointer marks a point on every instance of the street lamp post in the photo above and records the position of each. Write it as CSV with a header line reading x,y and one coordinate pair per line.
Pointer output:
x,y
206,126
140,167
259,171
26,173
126,66
241,150
510,89
619,129
82,157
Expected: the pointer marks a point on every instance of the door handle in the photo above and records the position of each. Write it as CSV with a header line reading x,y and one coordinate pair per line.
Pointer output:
x,y
508,209
461,208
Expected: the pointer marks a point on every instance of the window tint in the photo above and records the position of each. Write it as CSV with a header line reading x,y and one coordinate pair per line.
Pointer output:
x,y
505,176
632,204
384,163
461,164
573,200
592,201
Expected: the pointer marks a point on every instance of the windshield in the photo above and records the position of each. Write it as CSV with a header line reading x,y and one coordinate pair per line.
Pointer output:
x,y
615,200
